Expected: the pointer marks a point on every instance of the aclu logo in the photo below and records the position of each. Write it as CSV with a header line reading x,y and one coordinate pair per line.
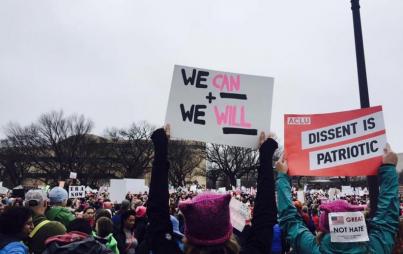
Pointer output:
x,y
298,120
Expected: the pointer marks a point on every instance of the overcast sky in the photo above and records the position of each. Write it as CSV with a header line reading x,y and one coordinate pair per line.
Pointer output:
x,y
113,60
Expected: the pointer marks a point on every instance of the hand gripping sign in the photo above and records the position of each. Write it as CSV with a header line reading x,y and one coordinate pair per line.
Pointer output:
x,y
219,107
348,143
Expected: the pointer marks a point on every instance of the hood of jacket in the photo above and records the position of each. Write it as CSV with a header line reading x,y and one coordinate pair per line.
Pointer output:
x,y
56,211
109,241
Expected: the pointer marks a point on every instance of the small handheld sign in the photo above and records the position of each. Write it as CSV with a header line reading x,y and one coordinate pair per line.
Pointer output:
x,y
219,107
76,191
239,213
346,143
347,227
73,175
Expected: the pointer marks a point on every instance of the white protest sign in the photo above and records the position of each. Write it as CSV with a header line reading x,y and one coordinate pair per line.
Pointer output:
x,y
3,190
76,191
193,188
219,107
117,190
332,192
301,196
222,190
357,190
135,186
347,190
239,213
348,227
120,187
73,175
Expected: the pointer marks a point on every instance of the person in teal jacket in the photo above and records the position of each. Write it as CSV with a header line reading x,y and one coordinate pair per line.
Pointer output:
x,y
382,228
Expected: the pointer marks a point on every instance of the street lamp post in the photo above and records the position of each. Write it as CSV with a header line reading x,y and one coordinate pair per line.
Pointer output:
x,y
372,181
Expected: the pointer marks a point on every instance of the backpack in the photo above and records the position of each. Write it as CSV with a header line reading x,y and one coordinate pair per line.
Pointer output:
x,y
87,245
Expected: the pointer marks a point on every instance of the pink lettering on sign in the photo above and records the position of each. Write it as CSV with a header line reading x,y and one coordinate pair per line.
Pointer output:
x,y
229,116
230,83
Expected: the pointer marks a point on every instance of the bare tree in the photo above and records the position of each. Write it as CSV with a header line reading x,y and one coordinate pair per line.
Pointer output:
x,y
233,162
132,148
184,157
13,165
212,176
54,146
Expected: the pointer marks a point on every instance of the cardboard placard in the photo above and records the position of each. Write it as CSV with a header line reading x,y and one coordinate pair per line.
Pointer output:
x,y
120,187
135,185
117,190
348,227
219,107
77,191
348,143
301,196
239,213
193,188
347,190
73,175
333,192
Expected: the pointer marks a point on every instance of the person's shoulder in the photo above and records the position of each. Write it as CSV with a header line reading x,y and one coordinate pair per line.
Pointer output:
x,y
64,212
50,210
16,248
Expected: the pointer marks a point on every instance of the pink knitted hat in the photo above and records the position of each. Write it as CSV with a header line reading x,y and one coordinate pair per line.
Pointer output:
x,y
141,211
207,219
332,207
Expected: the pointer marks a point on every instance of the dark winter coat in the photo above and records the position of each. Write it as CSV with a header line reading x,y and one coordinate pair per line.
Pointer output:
x,y
159,233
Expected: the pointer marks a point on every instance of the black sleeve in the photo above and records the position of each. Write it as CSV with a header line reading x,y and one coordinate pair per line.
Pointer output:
x,y
265,212
159,234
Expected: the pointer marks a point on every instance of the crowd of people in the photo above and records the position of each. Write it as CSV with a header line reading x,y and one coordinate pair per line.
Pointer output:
x,y
191,222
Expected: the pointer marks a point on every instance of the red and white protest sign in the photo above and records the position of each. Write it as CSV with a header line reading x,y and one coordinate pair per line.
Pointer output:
x,y
348,143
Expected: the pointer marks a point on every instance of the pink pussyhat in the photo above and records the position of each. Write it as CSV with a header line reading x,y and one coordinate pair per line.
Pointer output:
x,y
333,207
141,211
207,219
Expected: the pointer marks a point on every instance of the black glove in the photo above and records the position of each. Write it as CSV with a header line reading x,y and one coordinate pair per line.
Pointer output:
x,y
268,148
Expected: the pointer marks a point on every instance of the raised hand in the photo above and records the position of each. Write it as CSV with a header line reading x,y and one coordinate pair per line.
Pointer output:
x,y
389,157
281,165
167,129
